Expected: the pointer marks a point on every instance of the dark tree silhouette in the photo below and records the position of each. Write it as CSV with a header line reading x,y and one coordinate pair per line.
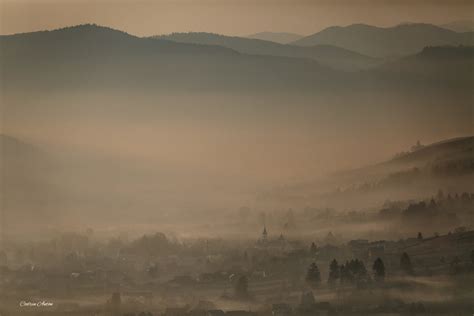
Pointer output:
x,y
465,197
354,272
379,270
153,270
405,264
115,302
440,195
313,276
433,204
242,287
420,236
313,248
455,264
416,308
334,272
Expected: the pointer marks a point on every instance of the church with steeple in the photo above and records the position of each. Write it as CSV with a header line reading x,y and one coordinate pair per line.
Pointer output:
x,y
264,237
265,242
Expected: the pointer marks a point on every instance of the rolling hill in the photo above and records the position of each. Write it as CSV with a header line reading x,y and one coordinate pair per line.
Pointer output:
x,y
460,26
90,55
77,75
443,66
93,56
400,40
282,38
327,55
451,157
436,152
415,174
27,193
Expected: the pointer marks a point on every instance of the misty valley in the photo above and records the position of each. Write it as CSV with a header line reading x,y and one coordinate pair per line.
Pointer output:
x,y
198,174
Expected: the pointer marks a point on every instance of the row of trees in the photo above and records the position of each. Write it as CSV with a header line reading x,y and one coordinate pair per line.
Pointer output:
x,y
354,272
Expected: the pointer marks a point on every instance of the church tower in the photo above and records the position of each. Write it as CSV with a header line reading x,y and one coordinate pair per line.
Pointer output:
x,y
264,234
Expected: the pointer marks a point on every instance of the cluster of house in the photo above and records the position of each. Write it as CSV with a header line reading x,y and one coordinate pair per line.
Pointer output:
x,y
307,306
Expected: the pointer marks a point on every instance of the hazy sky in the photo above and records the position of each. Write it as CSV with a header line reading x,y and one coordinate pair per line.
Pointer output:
x,y
235,17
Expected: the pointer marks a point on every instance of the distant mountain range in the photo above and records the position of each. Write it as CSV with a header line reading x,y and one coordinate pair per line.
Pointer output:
x,y
90,55
65,72
460,26
332,56
93,56
281,38
433,66
400,40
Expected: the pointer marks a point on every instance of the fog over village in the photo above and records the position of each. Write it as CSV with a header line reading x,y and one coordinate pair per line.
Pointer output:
x,y
307,159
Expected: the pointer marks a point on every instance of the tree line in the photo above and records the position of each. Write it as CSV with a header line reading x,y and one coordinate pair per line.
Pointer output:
x,y
354,272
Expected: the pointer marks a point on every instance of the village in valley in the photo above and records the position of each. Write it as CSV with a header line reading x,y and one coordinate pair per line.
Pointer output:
x,y
236,158
277,273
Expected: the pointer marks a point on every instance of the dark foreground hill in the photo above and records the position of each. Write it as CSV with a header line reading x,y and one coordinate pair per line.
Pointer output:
x,y
437,151
446,165
421,156
415,174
